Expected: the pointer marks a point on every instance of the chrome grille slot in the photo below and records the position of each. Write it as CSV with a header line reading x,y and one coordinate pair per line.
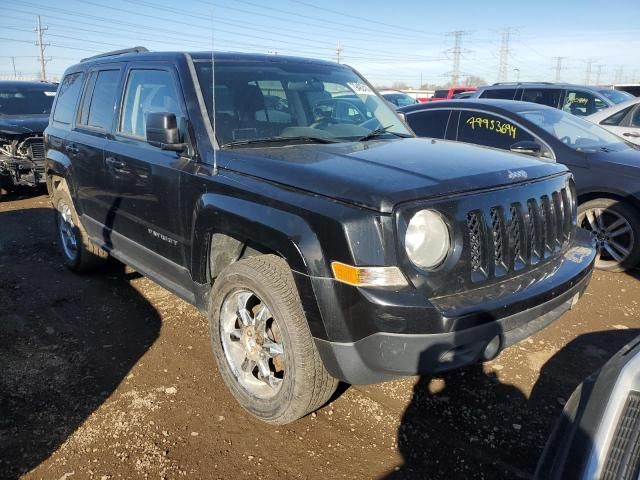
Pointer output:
x,y
474,227
497,226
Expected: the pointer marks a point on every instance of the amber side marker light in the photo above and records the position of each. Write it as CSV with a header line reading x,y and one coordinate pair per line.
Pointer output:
x,y
368,276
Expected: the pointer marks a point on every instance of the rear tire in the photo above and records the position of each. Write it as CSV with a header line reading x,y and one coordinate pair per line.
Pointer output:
x,y
274,371
615,227
78,253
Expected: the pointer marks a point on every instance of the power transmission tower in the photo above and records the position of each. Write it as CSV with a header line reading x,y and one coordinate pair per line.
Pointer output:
x,y
587,74
13,64
617,77
599,73
504,56
559,67
40,30
456,52
339,50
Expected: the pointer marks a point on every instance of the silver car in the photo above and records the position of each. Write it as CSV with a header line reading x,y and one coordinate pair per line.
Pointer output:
x,y
622,119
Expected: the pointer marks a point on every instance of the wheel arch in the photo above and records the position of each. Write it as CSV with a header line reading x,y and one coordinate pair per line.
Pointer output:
x,y
611,195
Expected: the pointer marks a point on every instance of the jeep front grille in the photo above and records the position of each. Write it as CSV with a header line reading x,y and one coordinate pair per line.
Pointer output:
x,y
509,237
623,458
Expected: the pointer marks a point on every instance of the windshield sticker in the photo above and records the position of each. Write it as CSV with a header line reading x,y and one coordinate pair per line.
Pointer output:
x,y
50,94
360,88
497,126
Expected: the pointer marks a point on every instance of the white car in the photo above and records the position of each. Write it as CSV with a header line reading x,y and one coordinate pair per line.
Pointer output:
x,y
622,119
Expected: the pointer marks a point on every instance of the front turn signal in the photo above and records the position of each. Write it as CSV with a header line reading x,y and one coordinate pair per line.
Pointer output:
x,y
368,276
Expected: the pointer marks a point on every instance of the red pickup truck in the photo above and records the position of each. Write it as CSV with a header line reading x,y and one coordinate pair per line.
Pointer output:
x,y
447,94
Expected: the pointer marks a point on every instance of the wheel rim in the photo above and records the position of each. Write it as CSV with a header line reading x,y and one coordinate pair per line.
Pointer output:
x,y
250,338
67,231
611,233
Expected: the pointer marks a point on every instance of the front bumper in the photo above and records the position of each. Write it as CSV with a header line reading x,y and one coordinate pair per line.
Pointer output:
x,y
473,326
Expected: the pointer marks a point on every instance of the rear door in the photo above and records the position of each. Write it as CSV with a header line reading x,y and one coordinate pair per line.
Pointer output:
x,y
92,127
143,181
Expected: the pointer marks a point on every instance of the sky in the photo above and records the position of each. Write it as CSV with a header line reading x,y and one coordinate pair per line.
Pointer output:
x,y
387,41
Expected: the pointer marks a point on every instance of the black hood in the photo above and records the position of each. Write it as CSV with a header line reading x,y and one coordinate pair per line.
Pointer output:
x,y
23,124
381,174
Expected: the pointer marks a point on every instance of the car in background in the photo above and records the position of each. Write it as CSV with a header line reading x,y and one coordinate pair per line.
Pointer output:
x,y
605,167
579,100
397,99
597,435
632,88
623,120
24,114
448,94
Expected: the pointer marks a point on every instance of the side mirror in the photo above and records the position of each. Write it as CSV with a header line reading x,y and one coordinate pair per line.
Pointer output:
x,y
526,147
162,131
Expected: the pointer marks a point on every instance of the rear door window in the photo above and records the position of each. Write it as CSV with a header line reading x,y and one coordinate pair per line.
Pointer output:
x,y
67,98
581,103
500,93
543,96
99,103
482,128
429,123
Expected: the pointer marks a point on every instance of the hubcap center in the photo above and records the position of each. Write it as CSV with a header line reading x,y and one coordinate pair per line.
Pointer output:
x,y
250,342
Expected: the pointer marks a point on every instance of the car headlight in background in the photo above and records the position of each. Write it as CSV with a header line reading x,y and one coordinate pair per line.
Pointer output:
x,y
427,239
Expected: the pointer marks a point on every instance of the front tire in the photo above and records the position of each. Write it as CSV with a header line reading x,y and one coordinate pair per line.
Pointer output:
x,y
262,343
615,228
79,253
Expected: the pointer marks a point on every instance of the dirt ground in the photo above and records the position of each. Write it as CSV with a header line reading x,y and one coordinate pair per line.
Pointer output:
x,y
109,376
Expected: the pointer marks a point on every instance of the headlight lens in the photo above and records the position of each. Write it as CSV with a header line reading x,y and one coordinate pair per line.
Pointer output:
x,y
427,239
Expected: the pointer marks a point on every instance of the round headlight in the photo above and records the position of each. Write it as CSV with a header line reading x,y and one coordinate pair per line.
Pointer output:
x,y
427,240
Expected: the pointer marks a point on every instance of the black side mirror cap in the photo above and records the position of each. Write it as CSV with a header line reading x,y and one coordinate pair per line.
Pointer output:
x,y
527,147
162,131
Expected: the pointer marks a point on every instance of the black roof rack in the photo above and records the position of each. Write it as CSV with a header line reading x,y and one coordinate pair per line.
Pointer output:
x,y
116,52
523,83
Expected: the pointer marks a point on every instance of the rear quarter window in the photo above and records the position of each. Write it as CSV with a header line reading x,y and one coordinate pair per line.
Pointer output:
x,y
67,98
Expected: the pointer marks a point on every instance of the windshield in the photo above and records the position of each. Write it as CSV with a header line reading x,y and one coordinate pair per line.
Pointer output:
x,y
577,133
616,96
26,101
400,99
257,101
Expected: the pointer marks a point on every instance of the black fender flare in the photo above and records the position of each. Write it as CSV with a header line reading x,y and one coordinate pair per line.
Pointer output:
x,y
285,233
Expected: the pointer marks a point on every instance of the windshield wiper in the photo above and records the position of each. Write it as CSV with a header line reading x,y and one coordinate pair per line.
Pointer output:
x,y
267,140
380,131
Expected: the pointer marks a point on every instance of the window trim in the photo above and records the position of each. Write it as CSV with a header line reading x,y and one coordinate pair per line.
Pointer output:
x,y
518,124
446,128
123,91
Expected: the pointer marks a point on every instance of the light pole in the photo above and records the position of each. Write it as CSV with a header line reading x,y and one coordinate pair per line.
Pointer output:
x,y
517,70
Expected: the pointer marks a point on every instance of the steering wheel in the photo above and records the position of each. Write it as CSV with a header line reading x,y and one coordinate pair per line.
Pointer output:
x,y
566,140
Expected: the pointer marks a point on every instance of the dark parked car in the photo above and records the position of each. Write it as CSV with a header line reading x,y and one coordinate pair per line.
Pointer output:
x,y
605,167
320,249
576,99
598,434
397,99
24,114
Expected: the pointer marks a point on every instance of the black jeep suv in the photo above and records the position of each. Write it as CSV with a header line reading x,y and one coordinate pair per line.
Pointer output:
x,y
24,114
298,212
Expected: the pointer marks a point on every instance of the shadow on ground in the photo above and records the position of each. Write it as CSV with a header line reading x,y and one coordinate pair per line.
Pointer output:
x,y
460,423
66,341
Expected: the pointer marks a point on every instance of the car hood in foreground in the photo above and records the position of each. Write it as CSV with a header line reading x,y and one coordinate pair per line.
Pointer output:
x,y
381,174
21,124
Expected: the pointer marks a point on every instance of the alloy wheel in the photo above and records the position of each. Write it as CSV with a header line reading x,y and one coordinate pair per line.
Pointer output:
x,y
612,235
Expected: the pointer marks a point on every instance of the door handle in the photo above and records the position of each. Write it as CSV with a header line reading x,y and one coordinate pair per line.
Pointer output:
x,y
627,134
72,149
115,163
